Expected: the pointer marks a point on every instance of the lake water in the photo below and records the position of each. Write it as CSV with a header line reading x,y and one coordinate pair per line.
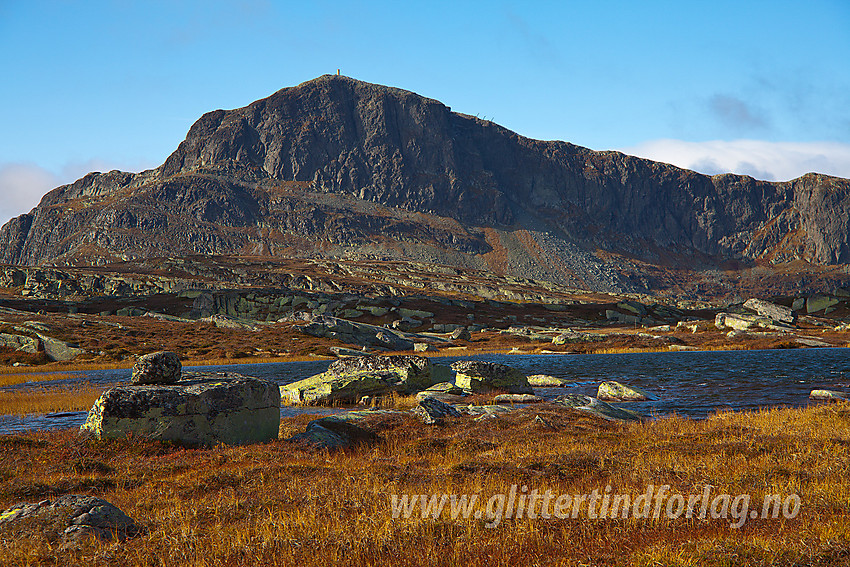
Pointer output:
x,y
687,383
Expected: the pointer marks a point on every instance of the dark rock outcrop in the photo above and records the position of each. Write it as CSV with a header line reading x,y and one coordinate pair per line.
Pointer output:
x,y
337,166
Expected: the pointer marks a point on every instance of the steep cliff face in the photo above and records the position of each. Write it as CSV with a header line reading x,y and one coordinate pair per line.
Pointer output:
x,y
339,167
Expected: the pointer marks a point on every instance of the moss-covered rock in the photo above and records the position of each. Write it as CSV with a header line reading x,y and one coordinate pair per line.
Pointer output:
x,y
485,377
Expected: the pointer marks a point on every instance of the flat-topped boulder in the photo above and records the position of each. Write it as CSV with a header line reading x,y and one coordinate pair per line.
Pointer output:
x,y
485,377
349,379
199,409
613,391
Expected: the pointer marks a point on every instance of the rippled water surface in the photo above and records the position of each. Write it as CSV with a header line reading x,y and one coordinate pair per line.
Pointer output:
x,y
688,383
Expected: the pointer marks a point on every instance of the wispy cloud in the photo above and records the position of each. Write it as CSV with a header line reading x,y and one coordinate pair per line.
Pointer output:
x,y
772,161
22,185
735,113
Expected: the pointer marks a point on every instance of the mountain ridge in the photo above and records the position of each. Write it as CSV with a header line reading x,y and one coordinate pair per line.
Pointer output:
x,y
336,167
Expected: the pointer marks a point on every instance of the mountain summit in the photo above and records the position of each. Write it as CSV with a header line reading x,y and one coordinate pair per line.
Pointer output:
x,y
340,168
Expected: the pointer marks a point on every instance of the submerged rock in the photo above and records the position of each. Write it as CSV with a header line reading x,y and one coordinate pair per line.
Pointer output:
x,y
485,377
161,367
613,391
69,519
200,409
349,379
596,407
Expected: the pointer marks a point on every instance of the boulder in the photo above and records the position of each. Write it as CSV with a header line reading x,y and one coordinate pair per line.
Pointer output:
x,y
829,395
200,409
19,342
517,399
739,322
68,519
433,411
771,310
360,334
613,391
424,347
485,377
333,433
596,407
819,303
59,351
349,379
546,381
461,334
162,367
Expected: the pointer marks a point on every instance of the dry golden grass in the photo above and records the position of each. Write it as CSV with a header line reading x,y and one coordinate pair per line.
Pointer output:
x,y
285,504
48,401
12,379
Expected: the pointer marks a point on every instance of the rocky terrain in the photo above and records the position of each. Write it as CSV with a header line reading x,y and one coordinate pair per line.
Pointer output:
x,y
344,170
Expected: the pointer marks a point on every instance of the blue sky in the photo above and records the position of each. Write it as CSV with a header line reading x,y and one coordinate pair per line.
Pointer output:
x,y
755,87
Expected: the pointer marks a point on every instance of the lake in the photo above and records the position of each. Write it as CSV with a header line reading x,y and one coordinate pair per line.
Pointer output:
x,y
692,384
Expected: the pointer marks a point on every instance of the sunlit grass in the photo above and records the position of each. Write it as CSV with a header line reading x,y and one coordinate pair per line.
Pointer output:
x,y
38,401
12,379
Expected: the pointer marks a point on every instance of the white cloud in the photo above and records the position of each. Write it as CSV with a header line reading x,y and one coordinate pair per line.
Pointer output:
x,y
772,161
22,185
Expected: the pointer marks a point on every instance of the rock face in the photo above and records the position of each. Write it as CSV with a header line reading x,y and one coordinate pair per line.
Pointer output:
x,y
771,310
613,391
486,377
69,519
161,367
337,166
200,409
349,379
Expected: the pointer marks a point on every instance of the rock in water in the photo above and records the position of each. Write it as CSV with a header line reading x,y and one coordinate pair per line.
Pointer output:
x,y
596,407
349,379
829,395
69,519
546,381
486,377
433,411
613,391
200,409
161,367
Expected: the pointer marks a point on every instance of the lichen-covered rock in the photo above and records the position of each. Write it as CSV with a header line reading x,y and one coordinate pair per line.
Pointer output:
x,y
200,409
596,407
517,399
771,310
485,377
68,519
161,367
613,391
59,351
433,411
546,381
349,379
740,322
19,342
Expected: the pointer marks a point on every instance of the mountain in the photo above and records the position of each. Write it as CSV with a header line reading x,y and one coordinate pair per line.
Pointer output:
x,y
340,168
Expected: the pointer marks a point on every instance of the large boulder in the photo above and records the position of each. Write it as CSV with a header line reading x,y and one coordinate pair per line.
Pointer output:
x,y
771,310
817,303
161,367
68,519
19,342
59,351
200,409
740,322
596,407
614,391
360,334
485,377
349,379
